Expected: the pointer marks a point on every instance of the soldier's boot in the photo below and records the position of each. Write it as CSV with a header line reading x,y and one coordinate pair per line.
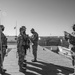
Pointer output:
x,y
24,65
35,59
24,62
73,62
22,69
2,71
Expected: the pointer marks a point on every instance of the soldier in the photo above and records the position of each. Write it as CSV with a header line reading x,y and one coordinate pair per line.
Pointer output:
x,y
34,40
3,47
71,39
22,46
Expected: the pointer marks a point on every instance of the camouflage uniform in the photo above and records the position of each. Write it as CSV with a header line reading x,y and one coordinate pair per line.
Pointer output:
x,y
22,46
71,39
4,46
72,42
34,40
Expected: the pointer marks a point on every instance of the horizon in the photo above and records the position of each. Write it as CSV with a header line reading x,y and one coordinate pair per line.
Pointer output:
x,y
47,17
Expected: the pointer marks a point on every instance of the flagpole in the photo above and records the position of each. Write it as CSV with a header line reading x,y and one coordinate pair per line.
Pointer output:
x,y
16,40
16,28
0,16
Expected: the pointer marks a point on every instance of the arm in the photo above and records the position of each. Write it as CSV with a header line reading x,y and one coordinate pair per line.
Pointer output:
x,y
17,47
34,38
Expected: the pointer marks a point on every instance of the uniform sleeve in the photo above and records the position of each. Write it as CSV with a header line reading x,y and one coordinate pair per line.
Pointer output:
x,y
35,37
4,41
17,43
28,42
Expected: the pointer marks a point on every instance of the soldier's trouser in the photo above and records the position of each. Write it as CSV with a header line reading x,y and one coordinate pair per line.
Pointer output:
x,y
1,60
20,61
73,60
22,55
73,56
34,47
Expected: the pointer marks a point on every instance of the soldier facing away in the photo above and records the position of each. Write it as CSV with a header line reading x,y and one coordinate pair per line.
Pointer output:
x,y
34,40
22,46
3,47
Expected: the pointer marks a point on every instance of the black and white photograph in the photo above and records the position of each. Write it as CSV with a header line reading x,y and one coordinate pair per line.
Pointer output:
x,y
37,37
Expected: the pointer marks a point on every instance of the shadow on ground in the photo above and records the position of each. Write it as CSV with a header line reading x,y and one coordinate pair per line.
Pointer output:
x,y
42,68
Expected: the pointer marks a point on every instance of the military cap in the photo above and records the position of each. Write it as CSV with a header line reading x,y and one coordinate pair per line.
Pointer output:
x,y
2,26
23,27
73,27
32,30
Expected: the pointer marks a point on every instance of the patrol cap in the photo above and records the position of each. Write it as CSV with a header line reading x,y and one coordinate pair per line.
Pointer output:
x,y
23,27
2,26
32,30
73,27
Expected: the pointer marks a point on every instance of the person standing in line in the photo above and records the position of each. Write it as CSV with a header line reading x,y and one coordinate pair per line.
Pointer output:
x,y
3,47
34,40
22,46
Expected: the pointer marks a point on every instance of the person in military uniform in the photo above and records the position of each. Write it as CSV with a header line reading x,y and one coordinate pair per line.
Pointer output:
x,y
71,39
22,46
3,48
34,40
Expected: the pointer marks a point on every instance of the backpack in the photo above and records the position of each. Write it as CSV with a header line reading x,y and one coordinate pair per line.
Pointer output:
x,y
72,40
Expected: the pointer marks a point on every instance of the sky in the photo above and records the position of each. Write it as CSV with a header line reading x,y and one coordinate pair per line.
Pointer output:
x,y
47,17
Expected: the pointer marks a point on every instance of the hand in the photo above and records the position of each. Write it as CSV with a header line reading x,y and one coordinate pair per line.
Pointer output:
x,y
6,55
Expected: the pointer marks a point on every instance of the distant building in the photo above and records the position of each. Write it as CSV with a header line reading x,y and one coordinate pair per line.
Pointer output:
x,y
11,39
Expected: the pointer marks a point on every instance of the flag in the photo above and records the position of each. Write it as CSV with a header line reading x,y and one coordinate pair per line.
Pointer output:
x,y
15,27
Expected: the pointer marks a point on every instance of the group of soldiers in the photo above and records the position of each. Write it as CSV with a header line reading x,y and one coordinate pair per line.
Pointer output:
x,y
23,43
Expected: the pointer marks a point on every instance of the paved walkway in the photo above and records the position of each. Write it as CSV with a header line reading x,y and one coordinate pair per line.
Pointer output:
x,y
49,63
